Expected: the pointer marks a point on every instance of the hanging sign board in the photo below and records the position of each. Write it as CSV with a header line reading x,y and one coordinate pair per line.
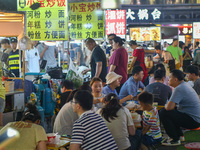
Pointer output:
x,y
48,22
145,34
196,30
116,22
86,20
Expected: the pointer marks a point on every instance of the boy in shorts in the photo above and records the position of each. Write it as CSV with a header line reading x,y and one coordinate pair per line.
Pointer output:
x,y
151,133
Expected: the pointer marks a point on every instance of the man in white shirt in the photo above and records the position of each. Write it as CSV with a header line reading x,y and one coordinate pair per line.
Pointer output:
x,y
32,58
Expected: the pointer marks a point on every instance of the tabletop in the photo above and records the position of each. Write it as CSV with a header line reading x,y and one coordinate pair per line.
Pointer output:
x,y
62,143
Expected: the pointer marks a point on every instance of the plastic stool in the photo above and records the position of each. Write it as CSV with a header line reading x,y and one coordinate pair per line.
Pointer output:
x,y
194,145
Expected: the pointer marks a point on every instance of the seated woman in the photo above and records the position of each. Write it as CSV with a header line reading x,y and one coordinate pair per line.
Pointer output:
x,y
97,86
119,121
113,81
32,135
162,67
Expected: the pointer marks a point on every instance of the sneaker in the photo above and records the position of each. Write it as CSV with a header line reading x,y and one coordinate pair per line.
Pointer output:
x,y
182,139
172,143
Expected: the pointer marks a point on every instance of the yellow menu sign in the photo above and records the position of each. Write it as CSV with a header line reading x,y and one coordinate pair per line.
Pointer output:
x,y
48,22
86,20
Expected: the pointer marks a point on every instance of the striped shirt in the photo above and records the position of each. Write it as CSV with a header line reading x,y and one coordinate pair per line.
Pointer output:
x,y
92,133
151,118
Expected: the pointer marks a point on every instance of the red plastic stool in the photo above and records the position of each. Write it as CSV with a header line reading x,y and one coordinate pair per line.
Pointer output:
x,y
194,145
194,129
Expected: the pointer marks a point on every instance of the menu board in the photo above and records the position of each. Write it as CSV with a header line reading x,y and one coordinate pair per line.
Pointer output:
x,y
145,34
86,20
135,34
48,22
116,22
155,33
196,30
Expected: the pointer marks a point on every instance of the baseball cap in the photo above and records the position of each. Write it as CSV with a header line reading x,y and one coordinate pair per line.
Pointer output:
x,y
13,40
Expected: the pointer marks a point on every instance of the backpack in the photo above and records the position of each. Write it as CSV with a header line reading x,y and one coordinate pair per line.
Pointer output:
x,y
171,62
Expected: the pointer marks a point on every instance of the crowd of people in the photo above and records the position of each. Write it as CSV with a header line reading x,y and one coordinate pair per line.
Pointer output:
x,y
40,57
95,115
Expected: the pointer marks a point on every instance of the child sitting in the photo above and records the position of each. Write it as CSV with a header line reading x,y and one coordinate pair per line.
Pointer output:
x,y
151,125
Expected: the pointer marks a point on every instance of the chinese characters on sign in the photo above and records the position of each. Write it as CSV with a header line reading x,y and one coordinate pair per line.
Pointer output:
x,y
49,22
116,22
185,30
156,14
143,14
86,20
196,30
24,5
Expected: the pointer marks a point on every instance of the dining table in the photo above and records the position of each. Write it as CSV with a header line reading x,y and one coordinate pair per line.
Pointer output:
x,y
58,145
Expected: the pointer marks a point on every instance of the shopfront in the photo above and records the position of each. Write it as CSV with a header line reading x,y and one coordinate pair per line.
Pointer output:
x,y
181,16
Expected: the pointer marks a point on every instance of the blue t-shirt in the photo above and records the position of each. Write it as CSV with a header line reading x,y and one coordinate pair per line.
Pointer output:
x,y
187,100
106,90
130,87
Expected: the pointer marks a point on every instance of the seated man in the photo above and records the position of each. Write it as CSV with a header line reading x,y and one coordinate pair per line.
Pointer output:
x,y
193,75
132,85
160,91
65,118
66,89
182,110
113,81
89,131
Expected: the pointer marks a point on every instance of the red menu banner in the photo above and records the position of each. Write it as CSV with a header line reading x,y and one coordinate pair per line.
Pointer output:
x,y
116,22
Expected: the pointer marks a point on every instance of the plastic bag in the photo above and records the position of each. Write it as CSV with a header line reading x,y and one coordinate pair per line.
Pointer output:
x,y
73,75
25,43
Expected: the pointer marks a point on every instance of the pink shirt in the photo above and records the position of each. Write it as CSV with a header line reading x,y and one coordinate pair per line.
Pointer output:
x,y
119,58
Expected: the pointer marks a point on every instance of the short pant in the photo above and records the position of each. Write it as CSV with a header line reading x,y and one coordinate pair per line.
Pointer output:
x,y
148,140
